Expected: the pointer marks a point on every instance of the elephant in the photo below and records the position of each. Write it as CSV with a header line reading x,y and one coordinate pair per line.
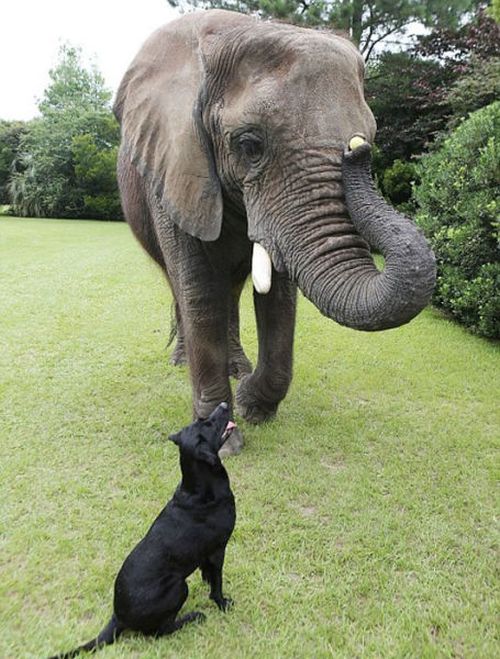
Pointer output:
x,y
246,148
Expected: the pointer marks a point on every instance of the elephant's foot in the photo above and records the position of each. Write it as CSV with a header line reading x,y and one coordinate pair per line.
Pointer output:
x,y
233,445
251,405
239,364
178,357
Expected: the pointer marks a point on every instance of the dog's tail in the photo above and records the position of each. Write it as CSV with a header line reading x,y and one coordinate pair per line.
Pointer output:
x,y
106,637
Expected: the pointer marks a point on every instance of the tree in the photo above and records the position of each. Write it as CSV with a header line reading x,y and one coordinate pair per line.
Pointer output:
x,y
10,136
42,185
75,104
454,46
95,169
477,87
368,22
420,94
74,88
405,94
470,57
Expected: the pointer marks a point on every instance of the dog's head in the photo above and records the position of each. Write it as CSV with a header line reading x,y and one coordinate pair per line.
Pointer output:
x,y
204,438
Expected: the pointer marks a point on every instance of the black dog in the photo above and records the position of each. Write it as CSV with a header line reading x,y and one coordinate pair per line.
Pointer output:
x,y
191,532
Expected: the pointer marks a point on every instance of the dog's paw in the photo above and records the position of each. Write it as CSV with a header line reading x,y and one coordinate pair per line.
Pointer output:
x,y
224,603
233,445
196,616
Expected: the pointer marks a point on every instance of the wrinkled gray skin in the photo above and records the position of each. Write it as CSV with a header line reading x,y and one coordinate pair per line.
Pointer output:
x,y
236,131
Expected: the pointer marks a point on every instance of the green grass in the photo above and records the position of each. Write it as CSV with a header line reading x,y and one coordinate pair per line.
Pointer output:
x,y
366,510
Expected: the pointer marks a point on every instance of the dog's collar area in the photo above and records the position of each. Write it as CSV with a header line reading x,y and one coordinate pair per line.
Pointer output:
x,y
184,500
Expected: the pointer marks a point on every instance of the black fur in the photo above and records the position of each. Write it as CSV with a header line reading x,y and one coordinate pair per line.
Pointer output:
x,y
191,532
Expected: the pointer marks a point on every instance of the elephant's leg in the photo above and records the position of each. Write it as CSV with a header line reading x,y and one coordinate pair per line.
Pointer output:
x,y
202,292
178,357
206,321
259,394
205,325
239,364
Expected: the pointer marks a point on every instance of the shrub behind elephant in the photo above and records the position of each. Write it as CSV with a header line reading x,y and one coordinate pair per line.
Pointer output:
x,y
235,137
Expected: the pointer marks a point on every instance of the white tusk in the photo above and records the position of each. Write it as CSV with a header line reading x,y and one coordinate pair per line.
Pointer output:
x,y
356,142
261,269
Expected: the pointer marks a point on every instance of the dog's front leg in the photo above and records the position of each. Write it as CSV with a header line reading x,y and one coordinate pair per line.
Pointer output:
x,y
211,571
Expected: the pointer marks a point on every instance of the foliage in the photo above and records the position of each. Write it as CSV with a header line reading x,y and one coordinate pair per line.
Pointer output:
x,y
454,46
364,509
43,184
10,136
459,211
95,169
404,93
398,180
73,87
368,22
494,10
470,56
419,94
477,87
75,117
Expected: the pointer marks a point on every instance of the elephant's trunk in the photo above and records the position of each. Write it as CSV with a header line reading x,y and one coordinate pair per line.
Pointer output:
x,y
333,266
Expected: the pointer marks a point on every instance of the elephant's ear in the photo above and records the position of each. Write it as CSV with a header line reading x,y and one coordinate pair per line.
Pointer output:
x,y
159,108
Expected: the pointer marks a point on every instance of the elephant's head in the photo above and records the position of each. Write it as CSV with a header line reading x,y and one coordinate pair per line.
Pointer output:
x,y
219,108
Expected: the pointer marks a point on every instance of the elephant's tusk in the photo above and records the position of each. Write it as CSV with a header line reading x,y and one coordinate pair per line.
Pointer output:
x,y
356,142
261,269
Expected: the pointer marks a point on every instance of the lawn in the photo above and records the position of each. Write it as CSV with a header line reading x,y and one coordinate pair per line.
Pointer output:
x,y
366,510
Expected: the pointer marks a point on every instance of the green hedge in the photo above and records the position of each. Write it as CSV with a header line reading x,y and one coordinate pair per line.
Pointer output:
x,y
397,181
459,212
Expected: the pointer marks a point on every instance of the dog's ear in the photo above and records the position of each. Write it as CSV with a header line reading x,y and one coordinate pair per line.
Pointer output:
x,y
176,438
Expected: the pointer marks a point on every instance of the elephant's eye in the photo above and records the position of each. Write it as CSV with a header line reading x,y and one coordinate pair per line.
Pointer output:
x,y
251,146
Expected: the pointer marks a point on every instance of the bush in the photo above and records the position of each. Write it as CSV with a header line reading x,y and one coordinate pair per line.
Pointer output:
x,y
397,181
94,163
459,212
477,87
10,136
